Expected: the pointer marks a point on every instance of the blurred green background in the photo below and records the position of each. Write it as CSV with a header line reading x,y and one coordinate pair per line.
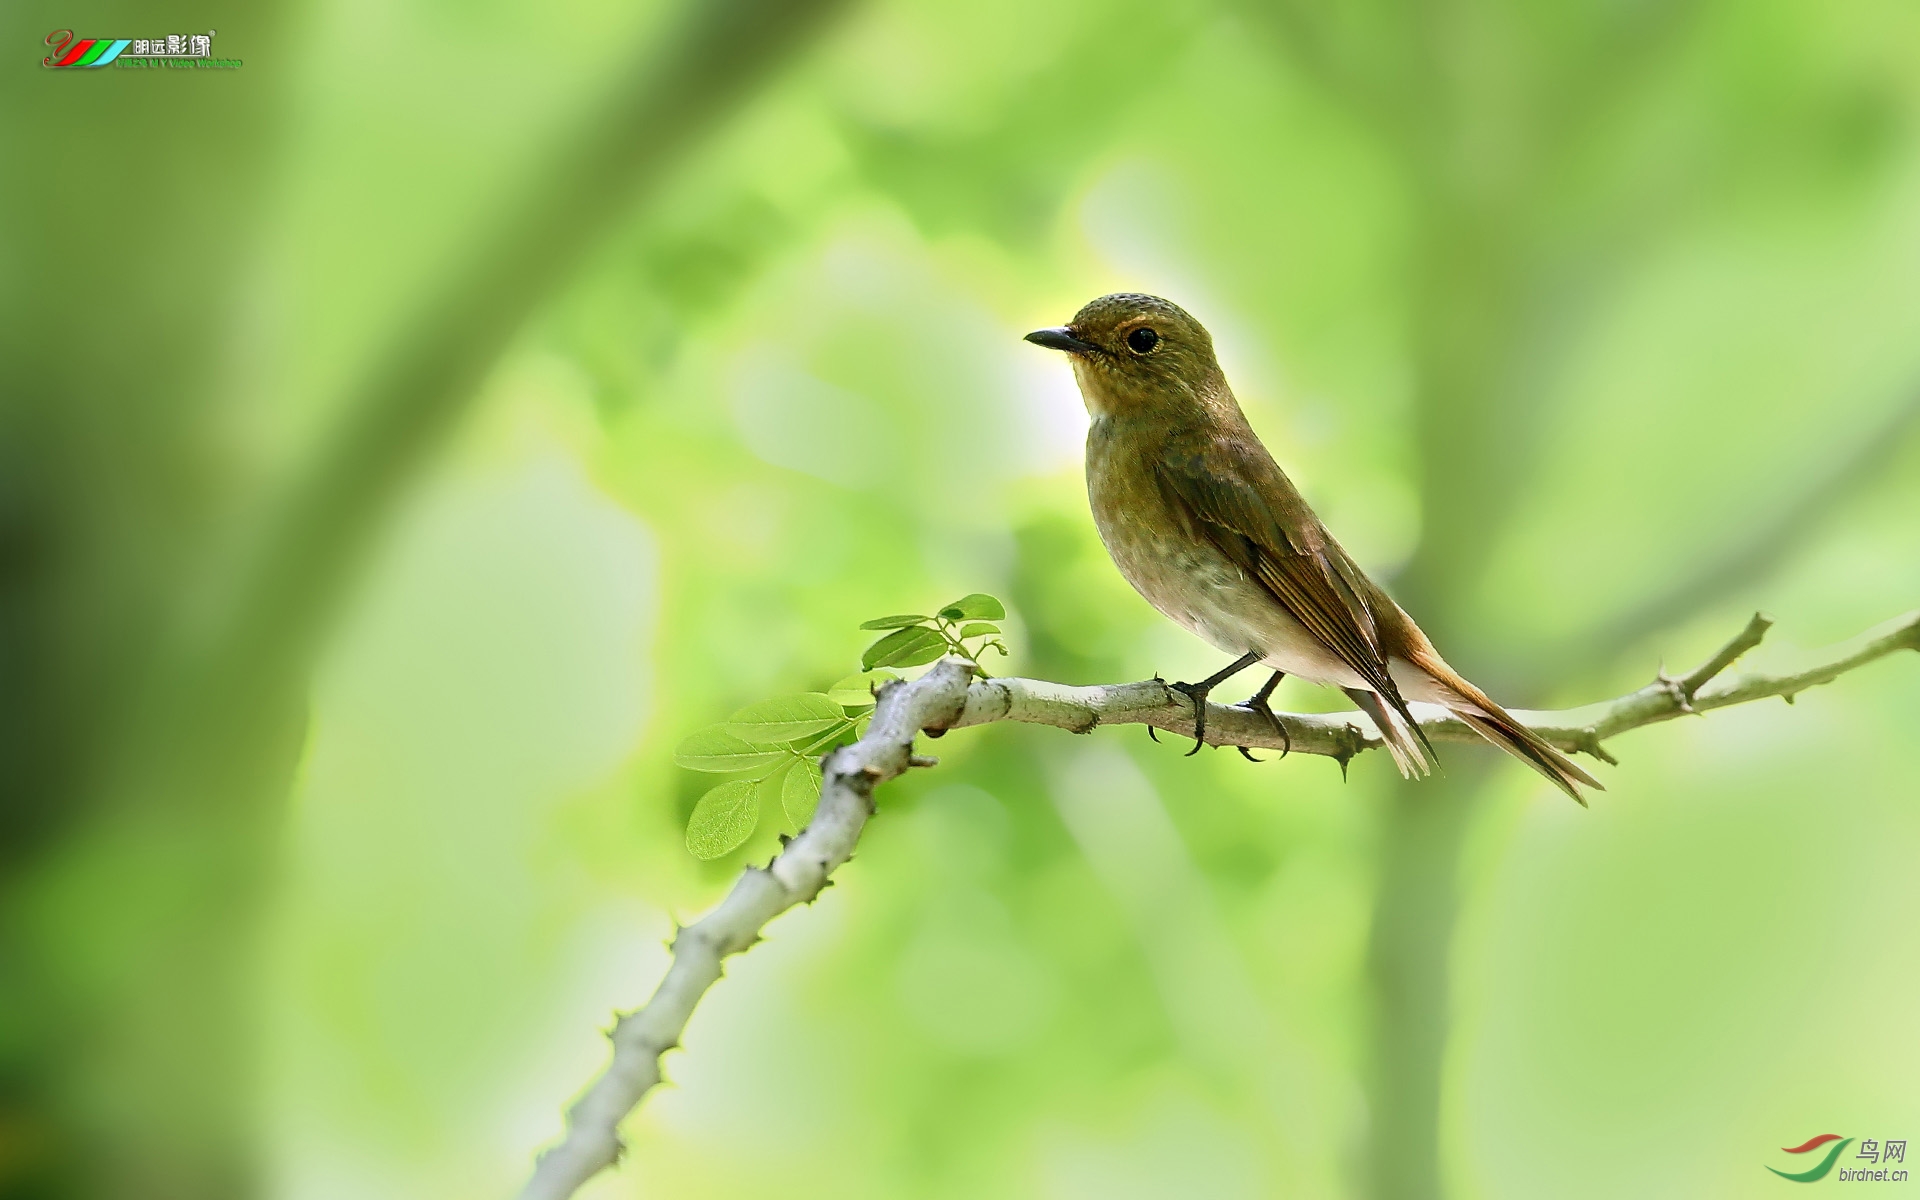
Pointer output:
x,y
408,437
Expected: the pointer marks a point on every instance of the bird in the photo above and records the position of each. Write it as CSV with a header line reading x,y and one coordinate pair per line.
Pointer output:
x,y
1201,520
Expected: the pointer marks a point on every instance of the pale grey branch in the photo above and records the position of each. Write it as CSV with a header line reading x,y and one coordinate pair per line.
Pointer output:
x,y
949,696
798,873
1345,734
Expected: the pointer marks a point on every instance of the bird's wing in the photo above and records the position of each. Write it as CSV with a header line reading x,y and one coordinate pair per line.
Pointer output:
x,y
1236,497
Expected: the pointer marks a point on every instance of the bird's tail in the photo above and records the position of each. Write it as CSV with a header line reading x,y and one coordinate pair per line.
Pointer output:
x,y
1411,751
1498,726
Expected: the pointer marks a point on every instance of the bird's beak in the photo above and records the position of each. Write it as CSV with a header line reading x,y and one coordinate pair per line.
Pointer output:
x,y
1060,338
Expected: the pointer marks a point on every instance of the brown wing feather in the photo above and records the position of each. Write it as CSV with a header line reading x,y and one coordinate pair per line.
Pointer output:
x,y
1235,495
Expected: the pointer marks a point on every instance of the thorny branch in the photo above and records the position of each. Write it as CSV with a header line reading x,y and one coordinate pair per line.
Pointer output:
x,y
798,873
951,696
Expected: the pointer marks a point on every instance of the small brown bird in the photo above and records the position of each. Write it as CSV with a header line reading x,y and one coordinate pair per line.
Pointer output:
x,y
1204,524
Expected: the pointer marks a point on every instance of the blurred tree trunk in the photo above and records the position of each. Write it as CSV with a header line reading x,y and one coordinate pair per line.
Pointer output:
x,y
130,221
1470,268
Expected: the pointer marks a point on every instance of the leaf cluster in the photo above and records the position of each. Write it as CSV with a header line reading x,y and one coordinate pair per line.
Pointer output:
x,y
917,639
774,747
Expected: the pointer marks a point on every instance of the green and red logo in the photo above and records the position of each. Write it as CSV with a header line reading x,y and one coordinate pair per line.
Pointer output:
x,y
69,51
1817,1170
1877,1153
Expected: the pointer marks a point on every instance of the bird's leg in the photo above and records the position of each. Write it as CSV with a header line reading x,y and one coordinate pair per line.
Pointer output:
x,y
1257,703
1197,692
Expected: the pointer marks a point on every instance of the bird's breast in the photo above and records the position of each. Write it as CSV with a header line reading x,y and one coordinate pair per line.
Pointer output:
x,y
1182,573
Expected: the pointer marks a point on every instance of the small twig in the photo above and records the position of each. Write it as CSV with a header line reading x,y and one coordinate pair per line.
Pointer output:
x,y
952,695
1740,643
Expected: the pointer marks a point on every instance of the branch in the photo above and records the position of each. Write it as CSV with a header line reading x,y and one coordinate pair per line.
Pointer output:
x,y
950,697
798,873
1345,734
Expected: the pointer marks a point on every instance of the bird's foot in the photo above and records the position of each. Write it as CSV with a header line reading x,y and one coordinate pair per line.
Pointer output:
x,y
1197,693
1259,706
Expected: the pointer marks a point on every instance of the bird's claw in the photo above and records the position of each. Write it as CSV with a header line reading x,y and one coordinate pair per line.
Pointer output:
x,y
1261,708
1198,695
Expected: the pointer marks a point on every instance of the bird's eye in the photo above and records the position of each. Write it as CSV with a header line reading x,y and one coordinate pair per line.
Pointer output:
x,y
1142,340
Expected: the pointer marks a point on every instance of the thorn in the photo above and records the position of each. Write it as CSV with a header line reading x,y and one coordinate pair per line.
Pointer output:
x,y
1590,744
922,760
1244,753
1675,687
1152,736
1787,696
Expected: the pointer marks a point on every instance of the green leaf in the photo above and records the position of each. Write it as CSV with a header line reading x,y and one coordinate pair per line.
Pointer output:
x,y
784,718
723,819
896,621
714,749
978,629
800,793
905,648
977,607
856,691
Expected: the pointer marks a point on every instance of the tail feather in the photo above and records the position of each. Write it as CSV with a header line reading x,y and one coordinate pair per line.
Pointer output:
x,y
1404,739
1530,748
1498,725
1441,684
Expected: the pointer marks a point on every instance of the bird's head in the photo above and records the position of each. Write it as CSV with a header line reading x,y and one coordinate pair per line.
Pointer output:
x,y
1137,355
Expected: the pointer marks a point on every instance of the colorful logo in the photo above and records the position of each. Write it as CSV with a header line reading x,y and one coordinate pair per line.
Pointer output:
x,y
1818,1170
99,52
